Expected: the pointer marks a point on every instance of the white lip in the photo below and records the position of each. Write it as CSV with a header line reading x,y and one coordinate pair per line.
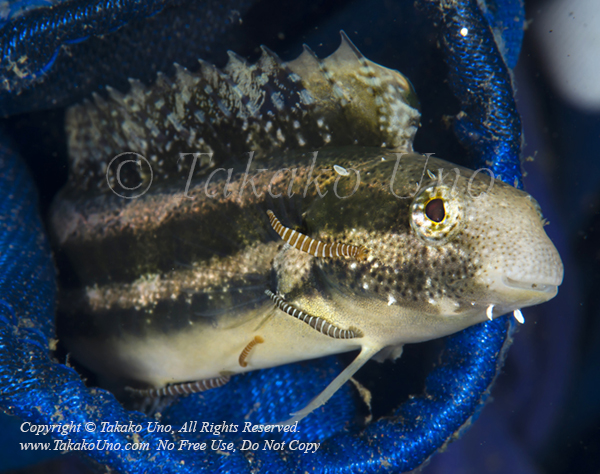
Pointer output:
x,y
529,286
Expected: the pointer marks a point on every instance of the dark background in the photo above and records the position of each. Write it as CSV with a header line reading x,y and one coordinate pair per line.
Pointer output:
x,y
545,415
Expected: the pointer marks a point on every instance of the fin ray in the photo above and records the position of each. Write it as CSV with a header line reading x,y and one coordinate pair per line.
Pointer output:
x,y
341,100
365,354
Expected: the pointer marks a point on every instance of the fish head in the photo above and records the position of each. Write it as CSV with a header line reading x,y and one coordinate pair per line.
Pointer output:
x,y
447,247
496,233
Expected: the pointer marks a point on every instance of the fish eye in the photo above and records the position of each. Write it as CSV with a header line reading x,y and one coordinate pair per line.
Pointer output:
x,y
435,210
436,214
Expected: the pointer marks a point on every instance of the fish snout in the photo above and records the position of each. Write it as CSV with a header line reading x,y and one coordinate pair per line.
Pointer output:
x,y
538,268
526,273
520,262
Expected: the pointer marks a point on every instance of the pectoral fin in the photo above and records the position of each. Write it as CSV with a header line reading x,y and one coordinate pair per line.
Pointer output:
x,y
365,354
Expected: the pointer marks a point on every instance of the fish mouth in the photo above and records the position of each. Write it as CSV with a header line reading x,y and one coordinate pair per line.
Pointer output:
x,y
530,286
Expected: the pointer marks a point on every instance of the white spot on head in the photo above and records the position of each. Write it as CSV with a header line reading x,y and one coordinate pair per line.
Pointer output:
x,y
464,31
366,286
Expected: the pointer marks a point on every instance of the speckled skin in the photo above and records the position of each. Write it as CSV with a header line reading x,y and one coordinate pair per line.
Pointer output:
x,y
170,287
189,322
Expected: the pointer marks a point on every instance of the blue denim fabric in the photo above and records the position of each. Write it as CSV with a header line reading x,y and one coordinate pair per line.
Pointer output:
x,y
36,73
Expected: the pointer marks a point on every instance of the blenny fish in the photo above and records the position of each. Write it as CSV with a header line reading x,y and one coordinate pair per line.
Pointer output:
x,y
224,221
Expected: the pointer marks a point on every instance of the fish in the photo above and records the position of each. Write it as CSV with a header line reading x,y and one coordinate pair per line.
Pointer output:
x,y
225,221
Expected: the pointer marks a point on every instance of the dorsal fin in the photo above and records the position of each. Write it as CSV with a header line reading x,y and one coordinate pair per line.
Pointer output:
x,y
309,103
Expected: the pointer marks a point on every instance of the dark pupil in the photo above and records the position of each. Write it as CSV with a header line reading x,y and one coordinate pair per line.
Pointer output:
x,y
435,210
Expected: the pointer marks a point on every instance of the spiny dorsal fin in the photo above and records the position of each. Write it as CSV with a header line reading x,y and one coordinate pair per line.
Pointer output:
x,y
309,103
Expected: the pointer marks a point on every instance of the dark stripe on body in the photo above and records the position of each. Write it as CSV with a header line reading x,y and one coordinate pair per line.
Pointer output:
x,y
112,242
110,239
186,299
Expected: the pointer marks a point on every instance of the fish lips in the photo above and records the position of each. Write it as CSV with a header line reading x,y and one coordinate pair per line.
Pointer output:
x,y
547,290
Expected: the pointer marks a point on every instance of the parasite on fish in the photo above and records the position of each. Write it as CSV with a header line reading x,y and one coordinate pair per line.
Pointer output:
x,y
247,349
253,245
180,388
316,323
312,246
